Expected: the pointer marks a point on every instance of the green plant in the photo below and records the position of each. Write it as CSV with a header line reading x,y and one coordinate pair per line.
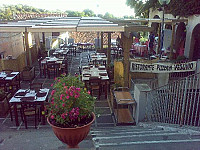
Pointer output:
x,y
71,104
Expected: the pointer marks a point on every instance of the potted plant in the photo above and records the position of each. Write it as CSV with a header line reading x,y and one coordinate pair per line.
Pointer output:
x,y
3,102
71,110
28,73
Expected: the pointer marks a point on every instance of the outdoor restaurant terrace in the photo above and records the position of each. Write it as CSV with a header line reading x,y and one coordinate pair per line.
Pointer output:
x,y
124,77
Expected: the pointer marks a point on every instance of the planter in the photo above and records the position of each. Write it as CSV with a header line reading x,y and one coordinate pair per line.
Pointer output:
x,y
28,74
3,105
72,136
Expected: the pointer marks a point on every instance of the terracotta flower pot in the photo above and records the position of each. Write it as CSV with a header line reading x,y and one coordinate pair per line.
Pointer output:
x,y
72,136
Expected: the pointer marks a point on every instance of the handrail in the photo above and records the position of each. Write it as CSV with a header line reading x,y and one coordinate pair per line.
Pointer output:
x,y
176,103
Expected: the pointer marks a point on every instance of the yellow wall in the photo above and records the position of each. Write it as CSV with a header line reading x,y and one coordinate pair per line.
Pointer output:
x,y
15,64
119,73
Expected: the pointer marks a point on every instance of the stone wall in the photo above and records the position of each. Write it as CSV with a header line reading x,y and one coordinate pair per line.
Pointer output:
x,y
11,44
84,37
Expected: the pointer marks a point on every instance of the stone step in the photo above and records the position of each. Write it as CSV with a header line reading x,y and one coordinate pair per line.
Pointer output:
x,y
125,129
121,139
111,134
192,144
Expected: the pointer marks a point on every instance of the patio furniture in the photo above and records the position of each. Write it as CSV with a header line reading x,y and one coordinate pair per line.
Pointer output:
x,y
92,71
95,85
40,97
11,107
52,67
33,109
9,81
36,86
125,106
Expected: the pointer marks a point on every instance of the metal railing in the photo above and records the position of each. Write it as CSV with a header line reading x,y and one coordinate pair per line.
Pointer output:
x,y
176,103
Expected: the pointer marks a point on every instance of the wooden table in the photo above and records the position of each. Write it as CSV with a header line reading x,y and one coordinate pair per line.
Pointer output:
x,y
88,71
9,78
123,115
17,100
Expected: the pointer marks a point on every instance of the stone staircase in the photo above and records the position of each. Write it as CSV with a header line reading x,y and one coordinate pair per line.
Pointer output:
x,y
146,136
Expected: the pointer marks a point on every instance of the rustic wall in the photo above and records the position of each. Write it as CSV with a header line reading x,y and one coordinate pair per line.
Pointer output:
x,y
11,44
84,37
15,64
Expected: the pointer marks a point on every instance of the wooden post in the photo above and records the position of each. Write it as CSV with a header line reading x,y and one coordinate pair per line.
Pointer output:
x,y
101,40
97,40
43,37
172,41
159,34
127,42
27,47
109,50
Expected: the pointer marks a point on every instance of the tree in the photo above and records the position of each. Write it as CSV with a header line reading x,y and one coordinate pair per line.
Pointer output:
x,y
181,8
89,13
108,15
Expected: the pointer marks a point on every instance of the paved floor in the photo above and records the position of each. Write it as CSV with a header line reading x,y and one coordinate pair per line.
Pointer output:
x,y
19,138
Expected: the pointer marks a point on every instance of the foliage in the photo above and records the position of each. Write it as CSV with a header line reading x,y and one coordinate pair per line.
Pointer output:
x,y
70,102
7,11
182,8
88,13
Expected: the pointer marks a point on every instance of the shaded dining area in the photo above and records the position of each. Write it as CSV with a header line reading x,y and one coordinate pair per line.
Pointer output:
x,y
95,64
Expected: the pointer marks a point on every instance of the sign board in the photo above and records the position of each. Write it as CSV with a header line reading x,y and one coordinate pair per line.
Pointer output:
x,y
162,67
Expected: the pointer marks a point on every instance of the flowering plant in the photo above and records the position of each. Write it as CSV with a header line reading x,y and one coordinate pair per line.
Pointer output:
x,y
71,105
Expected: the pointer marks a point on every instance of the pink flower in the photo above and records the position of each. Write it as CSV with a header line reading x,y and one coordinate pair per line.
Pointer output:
x,y
63,105
66,92
52,98
61,96
52,93
67,97
52,84
78,89
63,116
88,92
71,93
76,96
58,80
52,117
52,102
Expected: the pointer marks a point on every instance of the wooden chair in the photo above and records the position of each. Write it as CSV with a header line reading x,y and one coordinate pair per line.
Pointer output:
x,y
11,106
36,86
15,84
42,67
34,110
95,85
64,66
52,67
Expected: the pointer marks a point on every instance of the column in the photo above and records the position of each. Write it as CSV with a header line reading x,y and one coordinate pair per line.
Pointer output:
x,y
109,49
127,42
101,40
172,41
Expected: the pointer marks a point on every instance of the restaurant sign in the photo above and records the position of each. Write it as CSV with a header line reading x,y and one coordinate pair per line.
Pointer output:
x,y
162,67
